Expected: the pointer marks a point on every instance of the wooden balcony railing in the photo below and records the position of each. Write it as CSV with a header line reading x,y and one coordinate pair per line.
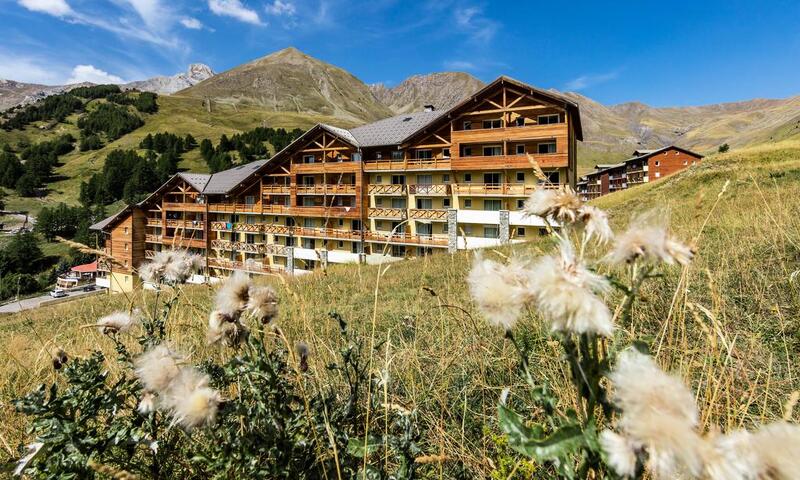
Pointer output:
x,y
197,225
546,160
421,189
323,189
326,167
184,242
398,213
263,248
153,222
327,233
410,164
387,189
184,207
278,229
153,238
406,238
149,253
427,214
275,189
235,207
498,189
251,266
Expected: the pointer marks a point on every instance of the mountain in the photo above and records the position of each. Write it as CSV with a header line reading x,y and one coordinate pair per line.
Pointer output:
x,y
291,81
167,85
438,89
18,93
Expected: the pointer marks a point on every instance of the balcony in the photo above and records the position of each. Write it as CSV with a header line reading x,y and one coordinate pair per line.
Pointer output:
x,y
275,189
153,222
387,189
338,189
197,225
390,213
558,131
410,164
499,189
251,266
328,233
235,207
544,160
407,238
150,238
263,248
326,167
427,214
149,253
183,242
325,212
184,207
429,190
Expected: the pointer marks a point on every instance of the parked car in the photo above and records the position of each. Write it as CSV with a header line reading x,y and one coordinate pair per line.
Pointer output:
x,y
57,293
88,288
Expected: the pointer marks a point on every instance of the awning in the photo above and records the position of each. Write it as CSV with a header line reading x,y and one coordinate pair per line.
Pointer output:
x,y
85,268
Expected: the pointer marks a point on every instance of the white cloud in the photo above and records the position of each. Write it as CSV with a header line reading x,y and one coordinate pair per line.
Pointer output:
x,y
472,21
234,9
191,23
279,8
459,65
90,73
29,69
586,81
154,14
58,8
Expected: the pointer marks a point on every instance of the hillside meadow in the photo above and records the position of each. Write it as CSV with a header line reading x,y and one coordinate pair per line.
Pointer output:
x,y
729,323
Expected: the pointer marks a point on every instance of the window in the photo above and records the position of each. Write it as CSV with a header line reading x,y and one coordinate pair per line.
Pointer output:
x,y
553,177
397,154
491,232
290,241
398,251
126,230
339,157
308,202
491,178
308,159
356,224
467,125
467,203
548,119
308,181
341,222
424,154
520,121
379,225
658,163
686,162
378,179
355,247
492,151
492,123
520,149
467,177
398,203
446,178
357,157
424,204
446,153
549,147
521,232
424,229
398,179
250,200
446,203
520,204
424,179
468,229
445,228
378,155
520,177
466,151
308,243
126,246
492,205
341,244
658,174
308,223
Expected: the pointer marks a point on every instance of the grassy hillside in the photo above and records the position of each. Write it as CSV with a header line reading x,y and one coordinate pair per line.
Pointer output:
x,y
729,323
179,115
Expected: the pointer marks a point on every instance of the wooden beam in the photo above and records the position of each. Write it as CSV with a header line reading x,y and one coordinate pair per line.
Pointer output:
x,y
503,110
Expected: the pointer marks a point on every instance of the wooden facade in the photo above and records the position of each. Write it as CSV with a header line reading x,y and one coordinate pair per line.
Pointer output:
x,y
459,180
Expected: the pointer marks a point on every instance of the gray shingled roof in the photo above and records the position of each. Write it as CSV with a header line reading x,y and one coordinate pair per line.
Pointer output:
x,y
226,180
196,180
341,133
102,224
394,130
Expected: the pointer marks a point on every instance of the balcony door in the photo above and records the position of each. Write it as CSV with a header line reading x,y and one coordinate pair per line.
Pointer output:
x,y
491,179
424,203
492,151
424,229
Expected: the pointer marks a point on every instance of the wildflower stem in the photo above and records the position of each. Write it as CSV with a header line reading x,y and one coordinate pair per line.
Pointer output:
x,y
522,355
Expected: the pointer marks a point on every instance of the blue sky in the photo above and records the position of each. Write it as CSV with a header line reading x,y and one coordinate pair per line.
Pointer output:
x,y
659,53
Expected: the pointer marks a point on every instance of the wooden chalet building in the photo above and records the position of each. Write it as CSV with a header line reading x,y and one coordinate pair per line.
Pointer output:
x,y
410,185
645,166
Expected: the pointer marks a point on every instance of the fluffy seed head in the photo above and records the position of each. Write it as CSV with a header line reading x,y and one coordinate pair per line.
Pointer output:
x,y
658,412
565,293
620,451
500,290
147,404
225,330
595,223
157,368
117,322
561,203
648,239
59,357
301,350
262,303
232,297
170,266
191,401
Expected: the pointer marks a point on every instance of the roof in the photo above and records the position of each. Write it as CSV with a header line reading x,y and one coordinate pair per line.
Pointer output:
x,y
641,154
341,133
602,168
638,153
196,180
227,180
394,130
85,268
108,221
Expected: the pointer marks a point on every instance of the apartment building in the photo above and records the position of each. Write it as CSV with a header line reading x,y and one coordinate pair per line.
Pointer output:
x,y
645,166
410,185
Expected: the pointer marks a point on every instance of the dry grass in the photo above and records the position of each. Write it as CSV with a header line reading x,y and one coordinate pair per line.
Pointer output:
x,y
729,323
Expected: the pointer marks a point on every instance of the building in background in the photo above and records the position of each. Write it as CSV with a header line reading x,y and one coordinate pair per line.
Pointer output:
x,y
410,185
645,166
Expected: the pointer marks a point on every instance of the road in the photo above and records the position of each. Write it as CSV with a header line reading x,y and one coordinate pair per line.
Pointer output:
x,y
28,303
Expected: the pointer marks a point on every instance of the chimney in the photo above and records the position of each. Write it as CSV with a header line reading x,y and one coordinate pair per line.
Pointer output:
x,y
429,108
